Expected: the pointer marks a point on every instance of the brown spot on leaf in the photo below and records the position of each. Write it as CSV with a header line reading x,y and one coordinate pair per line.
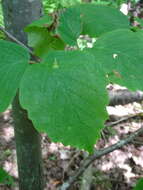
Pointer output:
x,y
117,74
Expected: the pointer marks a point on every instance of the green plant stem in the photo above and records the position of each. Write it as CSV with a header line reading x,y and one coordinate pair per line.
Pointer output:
x,y
18,14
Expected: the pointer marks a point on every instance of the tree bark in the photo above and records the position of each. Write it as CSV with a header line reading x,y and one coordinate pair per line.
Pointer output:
x,y
18,14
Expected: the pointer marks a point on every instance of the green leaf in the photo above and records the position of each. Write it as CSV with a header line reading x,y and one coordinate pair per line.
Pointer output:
x,y
139,185
66,97
90,19
99,19
5,178
70,26
120,55
13,62
44,21
41,40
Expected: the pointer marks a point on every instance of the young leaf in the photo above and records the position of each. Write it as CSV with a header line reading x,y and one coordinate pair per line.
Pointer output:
x,y
99,19
44,21
70,26
120,55
66,97
40,39
13,62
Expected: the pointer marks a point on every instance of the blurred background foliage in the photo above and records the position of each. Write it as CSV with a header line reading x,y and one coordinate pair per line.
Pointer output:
x,y
52,5
1,17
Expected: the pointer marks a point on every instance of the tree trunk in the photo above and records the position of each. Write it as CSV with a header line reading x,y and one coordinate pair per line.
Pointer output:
x,y
17,14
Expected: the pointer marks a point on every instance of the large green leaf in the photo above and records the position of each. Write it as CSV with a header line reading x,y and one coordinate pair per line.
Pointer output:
x,y
99,19
90,19
13,62
66,97
120,54
70,26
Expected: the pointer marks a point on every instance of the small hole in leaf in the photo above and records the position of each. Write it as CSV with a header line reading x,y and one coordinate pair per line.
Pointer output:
x,y
115,55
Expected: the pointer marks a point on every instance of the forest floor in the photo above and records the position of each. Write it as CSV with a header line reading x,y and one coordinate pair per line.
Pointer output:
x,y
118,170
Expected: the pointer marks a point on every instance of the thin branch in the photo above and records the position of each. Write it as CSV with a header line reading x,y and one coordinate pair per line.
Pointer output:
x,y
98,154
11,37
110,124
72,160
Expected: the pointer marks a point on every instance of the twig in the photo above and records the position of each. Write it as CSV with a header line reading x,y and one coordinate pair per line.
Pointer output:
x,y
98,154
72,160
11,37
109,124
